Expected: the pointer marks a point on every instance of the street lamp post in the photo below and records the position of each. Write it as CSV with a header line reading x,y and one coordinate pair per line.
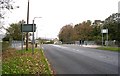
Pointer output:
x,y
33,40
22,22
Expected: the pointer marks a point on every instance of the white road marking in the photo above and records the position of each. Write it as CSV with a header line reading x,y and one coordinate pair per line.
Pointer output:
x,y
77,50
95,55
80,51
59,46
74,49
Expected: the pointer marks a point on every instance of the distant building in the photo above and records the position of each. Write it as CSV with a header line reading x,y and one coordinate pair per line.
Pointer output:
x,y
56,41
98,22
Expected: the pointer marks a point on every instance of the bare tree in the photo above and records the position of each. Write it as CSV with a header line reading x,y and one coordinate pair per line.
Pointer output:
x,y
5,6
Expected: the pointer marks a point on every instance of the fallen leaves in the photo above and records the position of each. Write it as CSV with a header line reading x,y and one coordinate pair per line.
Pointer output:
x,y
16,63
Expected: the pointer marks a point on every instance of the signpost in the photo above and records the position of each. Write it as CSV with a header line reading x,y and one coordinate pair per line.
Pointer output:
x,y
28,28
33,41
104,31
22,35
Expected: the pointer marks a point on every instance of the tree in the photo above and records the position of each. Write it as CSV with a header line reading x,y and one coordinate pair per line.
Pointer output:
x,y
83,30
66,33
88,31
77,32
5,6
14,31
96,31
113,25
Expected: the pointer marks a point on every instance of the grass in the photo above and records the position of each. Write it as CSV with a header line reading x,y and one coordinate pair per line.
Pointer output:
x,y
115,49
17,62
5,45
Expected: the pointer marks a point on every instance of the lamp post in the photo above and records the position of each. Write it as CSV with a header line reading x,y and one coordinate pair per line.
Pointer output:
x,y
22,43
33,40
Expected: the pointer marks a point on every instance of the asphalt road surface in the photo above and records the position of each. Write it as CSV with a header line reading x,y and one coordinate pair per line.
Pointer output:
x,y
74,59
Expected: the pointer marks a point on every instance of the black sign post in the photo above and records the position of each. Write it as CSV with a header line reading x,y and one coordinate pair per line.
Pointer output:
x,y
28,28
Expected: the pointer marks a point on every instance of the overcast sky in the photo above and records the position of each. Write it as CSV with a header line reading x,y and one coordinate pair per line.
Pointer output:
x,y
57,13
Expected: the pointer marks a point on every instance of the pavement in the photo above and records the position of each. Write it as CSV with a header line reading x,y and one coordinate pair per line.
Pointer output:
x,y
38,46
73,59
91,46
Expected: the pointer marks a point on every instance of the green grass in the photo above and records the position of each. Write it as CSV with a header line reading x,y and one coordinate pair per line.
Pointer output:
x,y
116,49
5,45
17,62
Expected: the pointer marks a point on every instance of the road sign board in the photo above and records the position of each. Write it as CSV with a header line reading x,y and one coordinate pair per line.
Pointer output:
x,y
28,28
104,31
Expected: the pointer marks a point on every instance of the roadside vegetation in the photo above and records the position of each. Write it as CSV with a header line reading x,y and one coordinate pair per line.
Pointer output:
x,y
109,48
24,62
5,45
91,31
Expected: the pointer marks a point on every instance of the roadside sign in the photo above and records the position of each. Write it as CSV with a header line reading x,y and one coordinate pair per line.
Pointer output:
x,y
104,31
28,28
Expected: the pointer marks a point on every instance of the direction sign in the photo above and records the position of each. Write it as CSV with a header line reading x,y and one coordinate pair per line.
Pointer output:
x,y
104,31
28,28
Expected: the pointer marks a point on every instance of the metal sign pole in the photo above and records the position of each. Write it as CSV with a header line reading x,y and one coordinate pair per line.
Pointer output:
x,y
102,39
107,38
22,37
102,34
33,39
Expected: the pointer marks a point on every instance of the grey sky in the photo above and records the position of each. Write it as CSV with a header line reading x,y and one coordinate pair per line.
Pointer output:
x,y
57,13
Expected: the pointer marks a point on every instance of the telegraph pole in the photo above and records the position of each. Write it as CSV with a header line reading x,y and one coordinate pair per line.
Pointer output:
x,y
33,41
27,23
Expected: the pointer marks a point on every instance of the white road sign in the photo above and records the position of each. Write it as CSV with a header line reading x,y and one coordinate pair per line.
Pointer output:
x,y
104,31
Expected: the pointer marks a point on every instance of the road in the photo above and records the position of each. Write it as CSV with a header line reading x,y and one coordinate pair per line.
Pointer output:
x,y
74,59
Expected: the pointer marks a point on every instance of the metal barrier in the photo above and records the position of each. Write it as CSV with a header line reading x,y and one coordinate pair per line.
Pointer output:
x,y
16,44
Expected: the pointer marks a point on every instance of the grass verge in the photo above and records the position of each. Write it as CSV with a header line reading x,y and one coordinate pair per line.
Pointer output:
x,y
115,49
24,62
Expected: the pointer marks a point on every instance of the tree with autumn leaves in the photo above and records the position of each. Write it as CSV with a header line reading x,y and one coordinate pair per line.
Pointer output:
x,y
80,31
14,31
91,31
66,33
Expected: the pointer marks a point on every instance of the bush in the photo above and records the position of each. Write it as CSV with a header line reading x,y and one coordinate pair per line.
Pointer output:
x,y
5,45
25,63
